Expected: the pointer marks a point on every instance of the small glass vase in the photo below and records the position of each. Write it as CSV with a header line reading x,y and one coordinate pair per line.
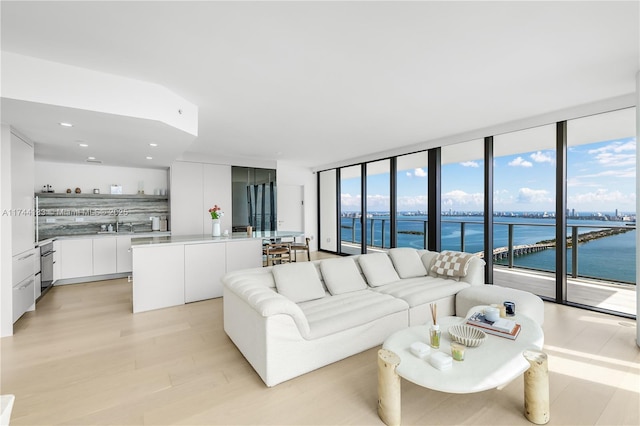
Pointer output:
x,y
215,227
434,336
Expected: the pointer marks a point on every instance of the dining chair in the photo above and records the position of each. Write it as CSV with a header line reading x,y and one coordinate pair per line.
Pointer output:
x,y
277,253
295,247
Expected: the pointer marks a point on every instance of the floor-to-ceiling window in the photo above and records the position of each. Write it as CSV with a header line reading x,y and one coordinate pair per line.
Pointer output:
x,y
569,184
462,194
378,204
524,183
351,210
411,200
601,209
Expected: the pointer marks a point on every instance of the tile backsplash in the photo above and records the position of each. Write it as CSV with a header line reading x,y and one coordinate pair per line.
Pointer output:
x,y
68,215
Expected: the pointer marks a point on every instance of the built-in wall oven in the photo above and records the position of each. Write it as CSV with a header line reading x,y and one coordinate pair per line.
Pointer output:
x,y
46,267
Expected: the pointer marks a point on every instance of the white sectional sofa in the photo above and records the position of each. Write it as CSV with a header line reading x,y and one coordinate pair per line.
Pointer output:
x,y
290,319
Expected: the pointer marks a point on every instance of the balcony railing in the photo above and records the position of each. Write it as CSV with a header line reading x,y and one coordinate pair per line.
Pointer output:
x,y
413,232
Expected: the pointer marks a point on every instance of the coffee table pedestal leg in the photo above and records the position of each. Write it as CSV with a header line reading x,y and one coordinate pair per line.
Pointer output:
x,y
389,406
536,387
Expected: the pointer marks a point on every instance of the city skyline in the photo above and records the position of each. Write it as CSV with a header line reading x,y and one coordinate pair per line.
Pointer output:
x,y
600,178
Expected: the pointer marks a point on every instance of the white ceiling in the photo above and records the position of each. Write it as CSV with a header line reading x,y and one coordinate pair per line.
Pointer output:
x,y
321,82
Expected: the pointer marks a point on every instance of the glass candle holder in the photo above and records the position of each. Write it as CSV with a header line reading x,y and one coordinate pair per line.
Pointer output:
x,y
457,351
434,336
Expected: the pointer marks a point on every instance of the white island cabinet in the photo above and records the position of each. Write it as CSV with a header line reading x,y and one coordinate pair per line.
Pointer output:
x,y
171,271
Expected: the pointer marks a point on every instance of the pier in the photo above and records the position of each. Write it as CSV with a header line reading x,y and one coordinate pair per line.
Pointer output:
x,y
520,250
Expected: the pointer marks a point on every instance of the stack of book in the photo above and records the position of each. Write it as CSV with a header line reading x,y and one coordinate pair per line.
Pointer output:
x,y
502,327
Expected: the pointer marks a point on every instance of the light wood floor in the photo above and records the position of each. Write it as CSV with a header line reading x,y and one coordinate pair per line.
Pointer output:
x,y
83,358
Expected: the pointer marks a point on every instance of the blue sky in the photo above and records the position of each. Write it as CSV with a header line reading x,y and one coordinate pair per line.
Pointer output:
x,y
600,178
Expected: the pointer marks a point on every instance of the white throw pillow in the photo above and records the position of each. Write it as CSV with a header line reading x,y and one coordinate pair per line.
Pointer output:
x,y
407,262
378,269
342,275
452,264
298,282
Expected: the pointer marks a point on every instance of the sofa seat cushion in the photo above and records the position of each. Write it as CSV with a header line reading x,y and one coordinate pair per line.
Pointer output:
x,y
418,291
333,314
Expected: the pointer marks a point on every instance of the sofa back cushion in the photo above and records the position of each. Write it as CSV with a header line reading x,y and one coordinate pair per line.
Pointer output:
x,y
298,282
407,262
378,269
342,276
452,264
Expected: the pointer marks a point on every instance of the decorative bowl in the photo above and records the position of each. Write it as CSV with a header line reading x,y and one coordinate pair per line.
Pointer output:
x,y
467,335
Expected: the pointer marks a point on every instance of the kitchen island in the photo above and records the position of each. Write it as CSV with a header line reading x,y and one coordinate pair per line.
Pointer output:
x,y
174,270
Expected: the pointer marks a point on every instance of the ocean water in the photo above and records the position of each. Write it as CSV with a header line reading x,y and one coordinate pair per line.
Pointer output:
x,y
610,258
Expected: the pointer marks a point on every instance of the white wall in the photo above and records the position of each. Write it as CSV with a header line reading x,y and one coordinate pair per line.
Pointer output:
x,y
292,174
89,176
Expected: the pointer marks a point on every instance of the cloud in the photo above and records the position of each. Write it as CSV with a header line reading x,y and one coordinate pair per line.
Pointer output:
x,y
528,196
543,157
601,197
350,202
410,203
520,162
616,154
473,164
419,172
458,198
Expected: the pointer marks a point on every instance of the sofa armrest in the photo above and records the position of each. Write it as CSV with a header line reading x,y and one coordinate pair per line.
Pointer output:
x,y
255,292
475,272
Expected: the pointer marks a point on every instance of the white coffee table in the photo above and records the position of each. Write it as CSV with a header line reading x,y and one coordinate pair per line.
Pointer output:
x,y
493,364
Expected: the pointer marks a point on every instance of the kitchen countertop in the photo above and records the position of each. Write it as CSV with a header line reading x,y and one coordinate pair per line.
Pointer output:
x,y
109,235
203,239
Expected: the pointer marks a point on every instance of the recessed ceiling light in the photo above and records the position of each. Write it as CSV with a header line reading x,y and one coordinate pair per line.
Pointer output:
x,y
91,158
153,144
83,145
149,158
66,124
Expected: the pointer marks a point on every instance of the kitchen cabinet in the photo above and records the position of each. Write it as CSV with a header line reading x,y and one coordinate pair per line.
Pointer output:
x,y
195,188
158,277
171,271
75,257
238,258
204,266
23,297
22,182
23,282
104,256
124,257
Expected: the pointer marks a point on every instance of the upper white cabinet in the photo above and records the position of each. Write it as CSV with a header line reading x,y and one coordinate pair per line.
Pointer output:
x,y
22,208
195,188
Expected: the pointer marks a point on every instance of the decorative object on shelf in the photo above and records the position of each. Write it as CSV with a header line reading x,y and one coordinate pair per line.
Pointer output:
x,y
96,190
434,331
68,190
216,214
116,189
47,188
78,191
467,335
